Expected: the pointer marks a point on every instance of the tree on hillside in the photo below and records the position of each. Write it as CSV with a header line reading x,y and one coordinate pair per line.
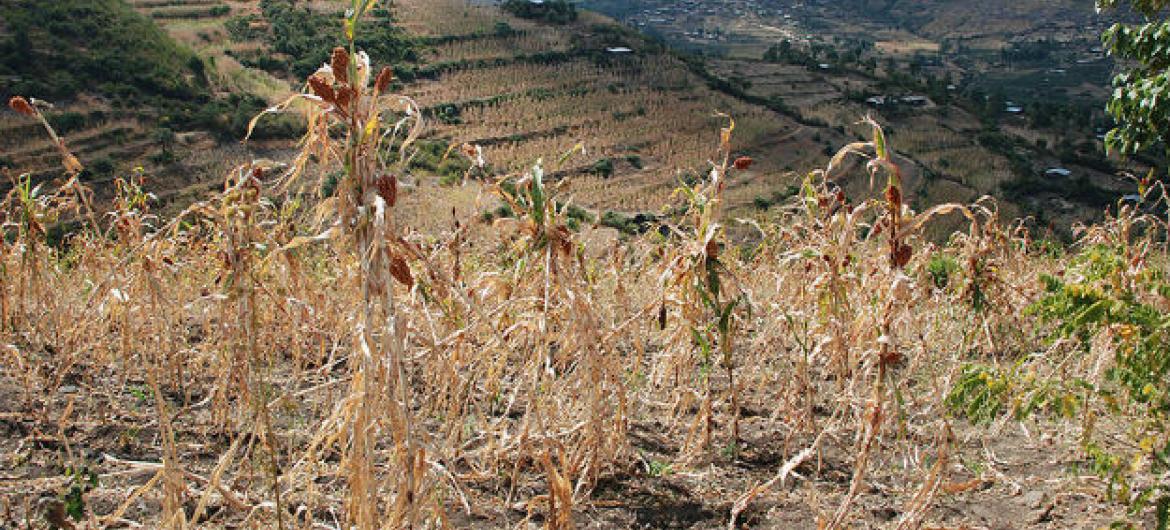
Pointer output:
x,y
1139,103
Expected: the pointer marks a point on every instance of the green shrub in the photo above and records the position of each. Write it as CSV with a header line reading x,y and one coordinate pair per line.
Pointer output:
x,y
67,122
618,221
308,36
103,166
1100,294
553,11
503,29
602,168
942,268
580,214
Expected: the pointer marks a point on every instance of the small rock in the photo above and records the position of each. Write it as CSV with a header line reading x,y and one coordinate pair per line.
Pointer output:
x,y
68,389
1035,499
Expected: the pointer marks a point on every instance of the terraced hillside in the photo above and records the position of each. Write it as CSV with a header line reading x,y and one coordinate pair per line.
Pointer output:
x,y
643,118
961,158
125,94
1004,100
637,117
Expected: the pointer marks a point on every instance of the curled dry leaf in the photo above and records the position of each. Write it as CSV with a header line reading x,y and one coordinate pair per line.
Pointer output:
x,y
744,162
72,164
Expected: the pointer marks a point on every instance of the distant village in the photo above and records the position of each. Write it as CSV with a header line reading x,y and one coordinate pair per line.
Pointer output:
x,y
701,21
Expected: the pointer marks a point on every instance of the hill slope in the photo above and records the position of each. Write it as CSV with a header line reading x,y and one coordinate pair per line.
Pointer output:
x,y
57,50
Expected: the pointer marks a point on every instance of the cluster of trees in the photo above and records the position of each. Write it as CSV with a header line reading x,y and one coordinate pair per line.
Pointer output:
x,y
303,38
554,11
1030,52
852,53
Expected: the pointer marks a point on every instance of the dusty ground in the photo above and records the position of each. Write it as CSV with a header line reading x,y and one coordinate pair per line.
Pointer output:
x,y
1013,477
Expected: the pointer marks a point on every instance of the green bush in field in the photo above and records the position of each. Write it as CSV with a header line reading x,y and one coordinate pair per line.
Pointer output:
x,y
1139,104
942,268
1100,299
602,168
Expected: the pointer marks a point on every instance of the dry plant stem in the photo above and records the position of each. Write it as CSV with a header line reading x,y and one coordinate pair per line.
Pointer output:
x,y
898,255
919,505
241,210
173,514
344,95
4,278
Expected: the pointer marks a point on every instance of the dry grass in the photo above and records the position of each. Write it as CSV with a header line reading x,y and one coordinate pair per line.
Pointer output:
x,y
321,346
515,365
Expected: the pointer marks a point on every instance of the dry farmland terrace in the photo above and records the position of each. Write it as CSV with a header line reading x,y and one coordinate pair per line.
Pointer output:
x,y
636,122
983,101
640,118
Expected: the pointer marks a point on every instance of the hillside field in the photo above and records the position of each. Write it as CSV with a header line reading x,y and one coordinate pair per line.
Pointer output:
x,y
509,272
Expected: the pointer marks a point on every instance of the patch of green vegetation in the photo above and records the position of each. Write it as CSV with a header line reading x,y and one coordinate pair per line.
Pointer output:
x,y
575,216
628,224
304,38
602,168
56,50
942,268
80,482
552,11
434,157
228,118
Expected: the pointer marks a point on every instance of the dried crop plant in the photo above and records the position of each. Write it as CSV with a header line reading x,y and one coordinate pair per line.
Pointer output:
x,y
706,292
897,224
355,121
574,422
31,212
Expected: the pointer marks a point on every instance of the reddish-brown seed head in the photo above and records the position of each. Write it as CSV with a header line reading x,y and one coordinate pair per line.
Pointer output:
x,y
894,196
340,65
385,77
321,88
21,106
388,189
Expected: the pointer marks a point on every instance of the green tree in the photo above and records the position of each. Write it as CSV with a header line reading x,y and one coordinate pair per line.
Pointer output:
x,y
165,138
1139,102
